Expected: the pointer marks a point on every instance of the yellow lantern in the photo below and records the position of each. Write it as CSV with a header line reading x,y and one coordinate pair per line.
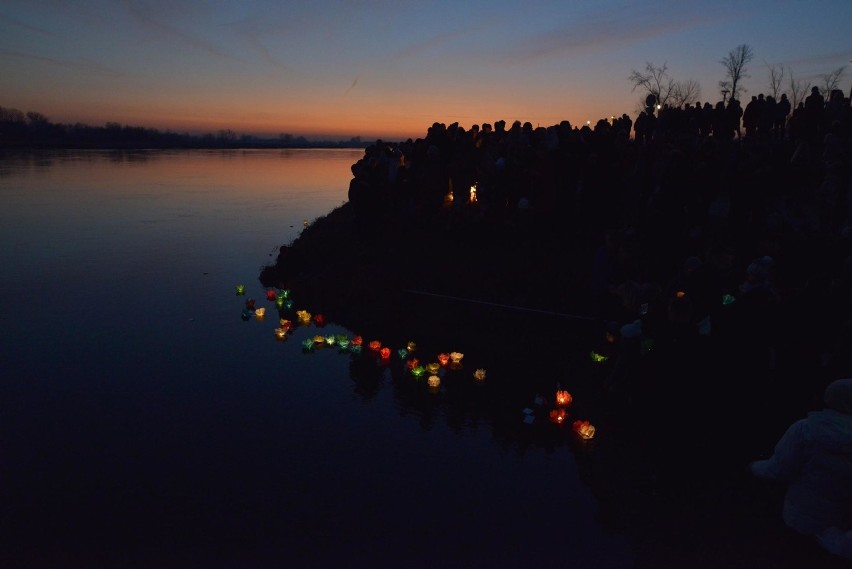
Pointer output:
x,y
319,339
259,313
433,367
410,347
281,333
303,316
563,398
479,374
473,194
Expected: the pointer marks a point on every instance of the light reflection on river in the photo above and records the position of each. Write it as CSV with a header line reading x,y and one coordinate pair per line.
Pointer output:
x,y
144,422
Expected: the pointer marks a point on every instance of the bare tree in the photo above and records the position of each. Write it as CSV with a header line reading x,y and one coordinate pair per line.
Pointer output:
x,y
830,81
735,69
685,92
776,78
798,90
656,81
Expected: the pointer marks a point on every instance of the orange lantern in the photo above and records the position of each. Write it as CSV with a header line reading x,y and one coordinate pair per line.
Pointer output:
x,y
563,398
584,429
357,341
375,345
443,359
558,416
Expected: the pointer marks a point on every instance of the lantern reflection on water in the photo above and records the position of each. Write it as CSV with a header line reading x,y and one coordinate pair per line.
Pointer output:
x,y
584,429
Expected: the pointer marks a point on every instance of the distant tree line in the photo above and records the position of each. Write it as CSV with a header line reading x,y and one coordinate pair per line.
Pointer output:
x,y
34,130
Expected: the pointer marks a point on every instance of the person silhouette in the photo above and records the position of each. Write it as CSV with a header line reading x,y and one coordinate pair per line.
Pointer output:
x,y
814,457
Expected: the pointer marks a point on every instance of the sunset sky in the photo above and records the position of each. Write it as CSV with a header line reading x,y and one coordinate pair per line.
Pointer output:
x,y
389,69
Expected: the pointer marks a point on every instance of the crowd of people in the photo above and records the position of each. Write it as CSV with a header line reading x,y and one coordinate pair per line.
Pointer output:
x,y
721,235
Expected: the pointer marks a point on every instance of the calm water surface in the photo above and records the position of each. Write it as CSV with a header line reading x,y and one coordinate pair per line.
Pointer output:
x,y
144,423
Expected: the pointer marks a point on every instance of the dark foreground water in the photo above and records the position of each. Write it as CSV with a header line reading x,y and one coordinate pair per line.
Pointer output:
x,y
145,423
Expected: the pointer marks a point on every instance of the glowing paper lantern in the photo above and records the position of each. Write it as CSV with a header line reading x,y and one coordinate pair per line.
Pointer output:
x,y
319,320
270,295
357,341
433,381
319,339
411,346
285,294
343,343
598,358
375,345
279,303
241,289
303,316
479,374
260,313
418,371
563,398
443,359
558,416
680,294
584,430
728,299
281,333
433,367
286,324
288,305
385,353
402,353
456,357
412,363
308,344
330,340
473,194
250,304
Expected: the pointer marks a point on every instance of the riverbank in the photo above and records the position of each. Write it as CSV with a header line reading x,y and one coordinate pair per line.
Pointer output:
x,y
534,287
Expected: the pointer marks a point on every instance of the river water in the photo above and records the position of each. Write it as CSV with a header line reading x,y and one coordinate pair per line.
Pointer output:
x,y
145,423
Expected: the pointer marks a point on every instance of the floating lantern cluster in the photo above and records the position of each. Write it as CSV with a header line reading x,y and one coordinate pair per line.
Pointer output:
x,y
432,371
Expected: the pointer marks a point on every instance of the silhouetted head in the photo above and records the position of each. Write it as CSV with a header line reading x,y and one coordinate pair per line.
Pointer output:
x,y
838,396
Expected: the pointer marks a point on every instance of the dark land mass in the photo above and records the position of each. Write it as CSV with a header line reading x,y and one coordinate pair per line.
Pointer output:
x,y
579,232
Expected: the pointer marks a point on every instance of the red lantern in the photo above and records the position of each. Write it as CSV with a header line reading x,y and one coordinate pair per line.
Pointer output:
x,y
357,341
385,353
250,304
558,416
563,398
412,363
375,345
270,295
443,359
319,320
